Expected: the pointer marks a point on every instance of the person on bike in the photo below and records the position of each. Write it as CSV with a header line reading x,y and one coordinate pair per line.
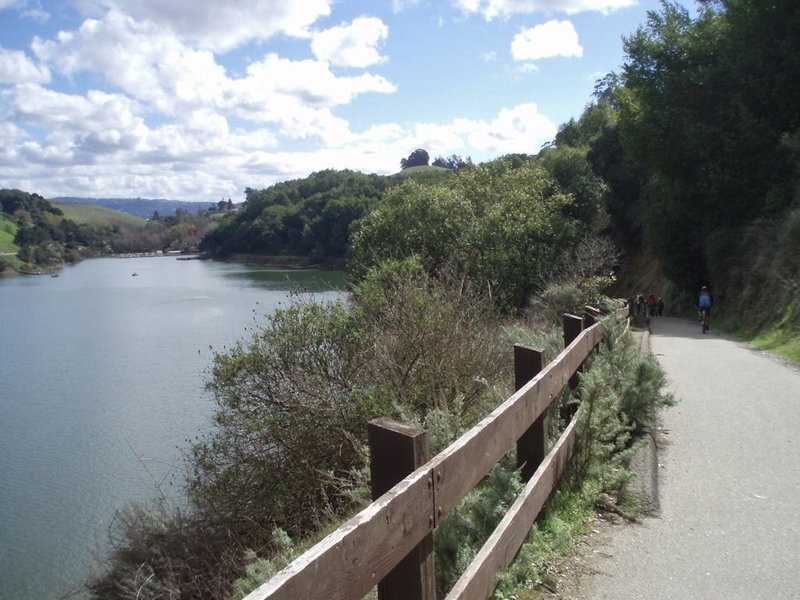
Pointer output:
x,y
704,302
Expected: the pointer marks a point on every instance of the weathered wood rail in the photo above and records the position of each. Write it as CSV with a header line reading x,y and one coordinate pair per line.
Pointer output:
x,y
390,541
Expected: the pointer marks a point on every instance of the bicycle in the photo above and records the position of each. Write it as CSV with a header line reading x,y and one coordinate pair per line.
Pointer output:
x,y
704,316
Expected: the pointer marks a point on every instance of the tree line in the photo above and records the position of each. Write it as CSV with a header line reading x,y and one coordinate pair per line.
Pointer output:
x,y
698,143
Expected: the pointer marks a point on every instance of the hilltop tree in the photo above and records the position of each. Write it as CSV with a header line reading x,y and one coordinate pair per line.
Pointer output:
x,y
418,158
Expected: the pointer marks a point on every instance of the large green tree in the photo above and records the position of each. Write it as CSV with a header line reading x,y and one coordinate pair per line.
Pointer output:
x,y
705,109
496,224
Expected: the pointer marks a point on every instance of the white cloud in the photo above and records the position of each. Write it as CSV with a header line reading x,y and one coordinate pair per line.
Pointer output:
x,y
554,38
16,67
353,45
491,9
298,96
11,138
142,60
157,69
172,121
218,25
518,129
99,146
81,126
36,14
525,68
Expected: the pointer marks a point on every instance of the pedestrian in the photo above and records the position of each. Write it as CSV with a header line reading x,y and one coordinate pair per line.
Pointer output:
x,y
640,305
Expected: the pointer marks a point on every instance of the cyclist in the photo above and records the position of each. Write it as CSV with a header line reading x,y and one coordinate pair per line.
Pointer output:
x,y
704,303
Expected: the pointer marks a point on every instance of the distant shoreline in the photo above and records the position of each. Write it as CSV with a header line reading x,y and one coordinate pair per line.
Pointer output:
x,y
286,262
275,261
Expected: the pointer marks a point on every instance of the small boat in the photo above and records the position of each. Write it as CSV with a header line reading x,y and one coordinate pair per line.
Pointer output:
x,y
134,274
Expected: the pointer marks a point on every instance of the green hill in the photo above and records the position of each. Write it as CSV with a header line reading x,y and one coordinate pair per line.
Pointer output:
x,y
93,214
8,230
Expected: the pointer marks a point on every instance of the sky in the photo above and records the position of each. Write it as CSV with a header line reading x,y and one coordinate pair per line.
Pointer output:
x,y
201,99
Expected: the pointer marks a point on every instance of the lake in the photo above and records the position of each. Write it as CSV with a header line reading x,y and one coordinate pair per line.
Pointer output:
x,y
102,379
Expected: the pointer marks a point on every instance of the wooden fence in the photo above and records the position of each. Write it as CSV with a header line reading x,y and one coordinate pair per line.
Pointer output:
x,y
389,544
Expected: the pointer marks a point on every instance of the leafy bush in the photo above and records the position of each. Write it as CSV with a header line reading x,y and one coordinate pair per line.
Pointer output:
x,y
497,224
288,452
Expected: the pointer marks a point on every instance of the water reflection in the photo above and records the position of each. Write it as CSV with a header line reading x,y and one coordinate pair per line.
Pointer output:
x,y
102,380
299,280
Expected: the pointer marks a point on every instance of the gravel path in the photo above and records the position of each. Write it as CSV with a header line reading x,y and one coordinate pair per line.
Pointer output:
x,y
729,481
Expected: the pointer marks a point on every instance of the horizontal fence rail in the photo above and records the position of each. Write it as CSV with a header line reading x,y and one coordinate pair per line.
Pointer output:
x,y
355,558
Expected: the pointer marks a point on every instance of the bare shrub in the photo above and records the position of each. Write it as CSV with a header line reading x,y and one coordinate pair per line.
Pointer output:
x,y
576,280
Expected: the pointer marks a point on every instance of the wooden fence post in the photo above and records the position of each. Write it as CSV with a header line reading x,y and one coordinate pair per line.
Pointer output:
x,y
532,446
573,326
397,450
590,315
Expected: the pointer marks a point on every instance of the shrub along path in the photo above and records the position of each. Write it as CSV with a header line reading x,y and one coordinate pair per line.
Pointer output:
x,y
729,470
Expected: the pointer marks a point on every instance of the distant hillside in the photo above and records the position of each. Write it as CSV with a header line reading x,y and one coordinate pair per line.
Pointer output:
x,y
140,207
95,214
8,229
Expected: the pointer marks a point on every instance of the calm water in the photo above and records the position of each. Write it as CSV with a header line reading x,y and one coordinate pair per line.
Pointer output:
x,y
101,386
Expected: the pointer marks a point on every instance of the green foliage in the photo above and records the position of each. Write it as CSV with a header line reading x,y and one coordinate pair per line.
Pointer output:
x,y
43,237
495,224
258,570
434,345
620,395
310,217
93,214
555,534
159,552
711,140
46,235
26,207
573,173
620,392
577,279
454,161
413,220
463,532
8,230
422,175
760,298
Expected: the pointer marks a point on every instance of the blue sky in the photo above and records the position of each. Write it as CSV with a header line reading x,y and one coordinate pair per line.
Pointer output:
x,y
199,99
